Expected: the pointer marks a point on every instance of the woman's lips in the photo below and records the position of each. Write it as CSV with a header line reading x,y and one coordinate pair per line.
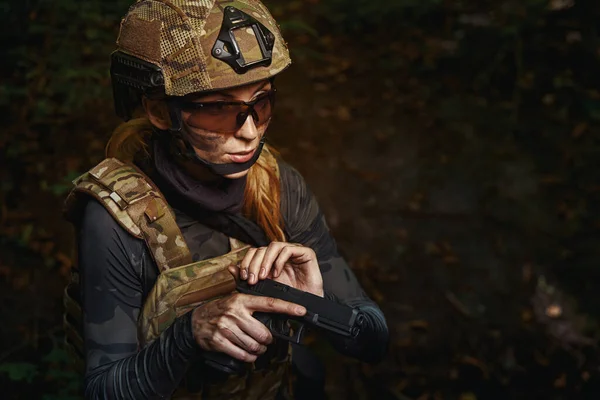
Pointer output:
x,y
241,157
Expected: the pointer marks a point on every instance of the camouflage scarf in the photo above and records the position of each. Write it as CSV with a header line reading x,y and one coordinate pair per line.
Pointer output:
x,y
217,205
223,195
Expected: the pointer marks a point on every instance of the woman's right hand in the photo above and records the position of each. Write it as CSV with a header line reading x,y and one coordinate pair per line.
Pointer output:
x,y
226,325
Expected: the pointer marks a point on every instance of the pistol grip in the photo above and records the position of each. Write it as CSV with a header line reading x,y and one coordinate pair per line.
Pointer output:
x,y
277,325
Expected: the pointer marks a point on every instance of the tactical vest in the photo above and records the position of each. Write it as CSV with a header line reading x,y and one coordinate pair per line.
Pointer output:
x,y
138,206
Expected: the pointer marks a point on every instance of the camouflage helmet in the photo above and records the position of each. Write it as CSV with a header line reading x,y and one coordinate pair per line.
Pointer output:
x,y
178,47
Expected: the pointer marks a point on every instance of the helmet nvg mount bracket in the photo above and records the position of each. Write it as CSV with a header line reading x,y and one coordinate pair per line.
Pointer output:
x,y
226,47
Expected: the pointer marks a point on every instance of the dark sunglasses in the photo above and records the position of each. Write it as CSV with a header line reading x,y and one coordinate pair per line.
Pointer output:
x,y
228,116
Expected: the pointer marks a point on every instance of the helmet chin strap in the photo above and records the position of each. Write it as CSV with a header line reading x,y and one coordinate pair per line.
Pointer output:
x,y
189,154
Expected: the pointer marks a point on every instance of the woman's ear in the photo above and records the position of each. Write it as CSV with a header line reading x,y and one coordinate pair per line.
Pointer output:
x,y
157,113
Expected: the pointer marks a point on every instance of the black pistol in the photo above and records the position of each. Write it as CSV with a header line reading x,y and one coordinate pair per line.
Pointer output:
x,y
322,315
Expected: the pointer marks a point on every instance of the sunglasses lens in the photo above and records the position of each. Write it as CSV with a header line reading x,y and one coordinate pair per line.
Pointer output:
x,y
215,117
229,117
263,109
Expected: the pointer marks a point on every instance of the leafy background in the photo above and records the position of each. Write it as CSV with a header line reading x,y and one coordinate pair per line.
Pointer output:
x,y
453,146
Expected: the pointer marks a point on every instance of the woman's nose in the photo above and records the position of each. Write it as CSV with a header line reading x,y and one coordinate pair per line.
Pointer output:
x,y
248,130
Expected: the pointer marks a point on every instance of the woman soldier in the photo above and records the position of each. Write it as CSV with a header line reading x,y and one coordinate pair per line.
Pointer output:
x,y
189,187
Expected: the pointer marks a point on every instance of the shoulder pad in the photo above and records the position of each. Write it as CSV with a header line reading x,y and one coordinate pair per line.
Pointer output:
x,y
136,204
118,187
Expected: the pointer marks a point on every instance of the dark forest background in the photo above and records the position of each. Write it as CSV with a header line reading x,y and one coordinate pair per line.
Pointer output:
x,y
453,146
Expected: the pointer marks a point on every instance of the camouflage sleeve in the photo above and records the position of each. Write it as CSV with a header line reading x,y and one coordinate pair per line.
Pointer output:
x,y
112,265
305,224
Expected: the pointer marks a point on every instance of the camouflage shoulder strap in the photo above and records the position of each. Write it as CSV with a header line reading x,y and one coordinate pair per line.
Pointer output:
x,y
139,207
136,203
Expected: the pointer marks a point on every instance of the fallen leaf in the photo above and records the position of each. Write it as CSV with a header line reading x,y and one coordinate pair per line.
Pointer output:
x,y
323,112
561,381
400,386
5,271
63,259
432,248
378,296
21,281
526,315
451,259
554,310
477,363
557,5
550,179
343,113
414,206
401,234
541,359
424,396
585,376
321,87
453,374
527,273
579,130
419,324
549,99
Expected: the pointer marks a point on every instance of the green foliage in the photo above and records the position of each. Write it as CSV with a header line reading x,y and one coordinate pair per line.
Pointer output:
x,y
57,355
61,187
296,25
356,15
57,368
60,62
19,371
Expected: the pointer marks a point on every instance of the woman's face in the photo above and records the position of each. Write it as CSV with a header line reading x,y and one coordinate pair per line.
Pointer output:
x,y
221,148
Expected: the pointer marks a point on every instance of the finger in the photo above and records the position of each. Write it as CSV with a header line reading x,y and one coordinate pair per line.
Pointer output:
x,y
238,337
283,257
254,266
271,254
273,305
246,262
256,330
224,345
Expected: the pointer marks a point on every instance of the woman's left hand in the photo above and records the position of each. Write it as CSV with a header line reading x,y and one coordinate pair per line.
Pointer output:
x,y
288,263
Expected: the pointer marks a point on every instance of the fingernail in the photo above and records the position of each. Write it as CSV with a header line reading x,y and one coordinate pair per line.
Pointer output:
x,y
300,310
244,274
262,272
251,279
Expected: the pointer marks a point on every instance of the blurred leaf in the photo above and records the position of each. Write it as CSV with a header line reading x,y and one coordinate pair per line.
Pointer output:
x,y
593,109
26,233
19,371
297,25
56,355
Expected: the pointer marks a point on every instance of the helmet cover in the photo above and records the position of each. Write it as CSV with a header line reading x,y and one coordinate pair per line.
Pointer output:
x,y
180,38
